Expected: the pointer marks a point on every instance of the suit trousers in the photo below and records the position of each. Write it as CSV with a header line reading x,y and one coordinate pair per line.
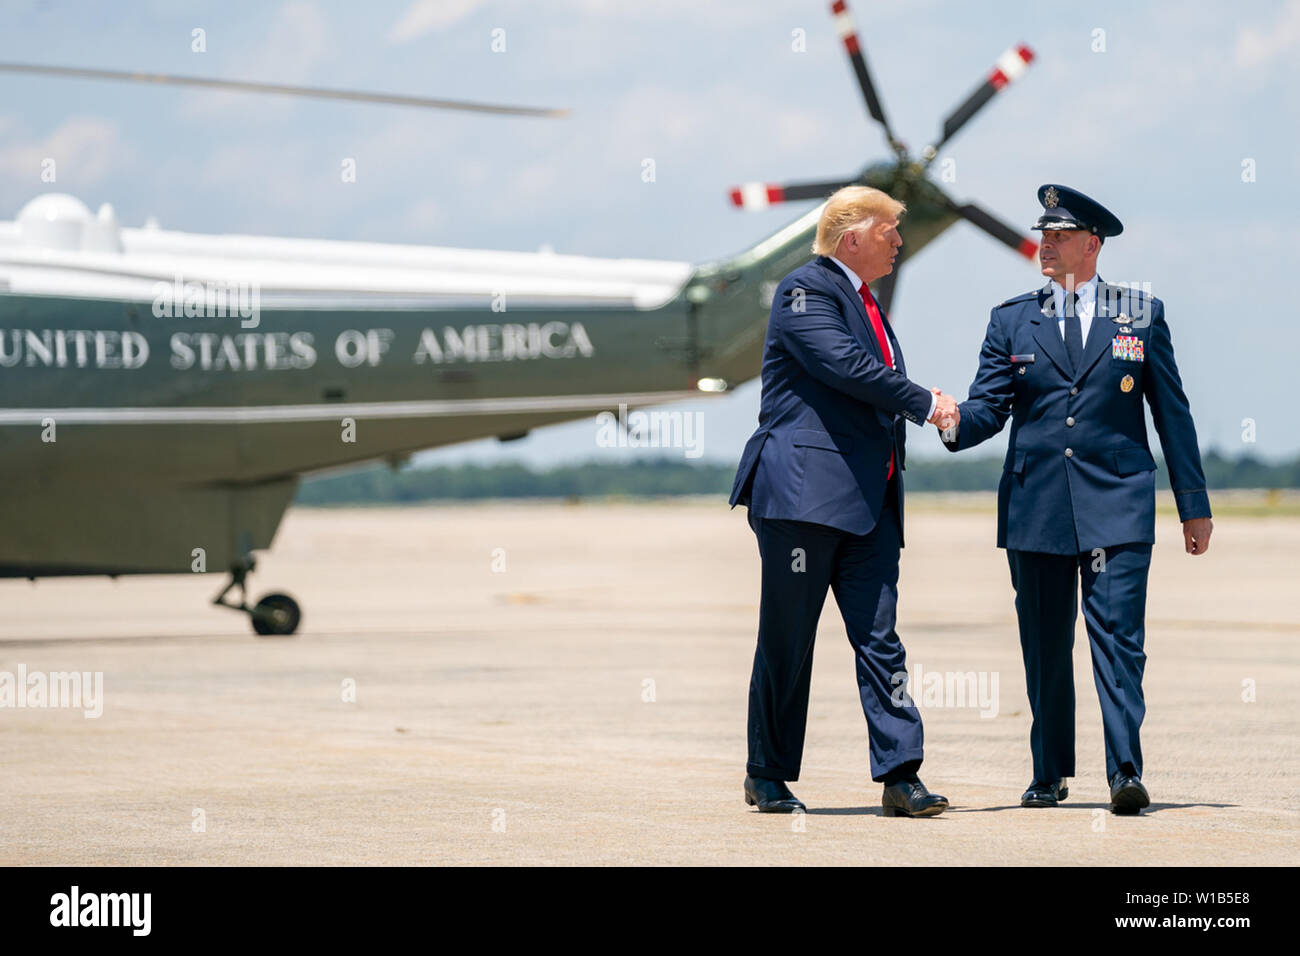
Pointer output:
x,y
1114,585
800,562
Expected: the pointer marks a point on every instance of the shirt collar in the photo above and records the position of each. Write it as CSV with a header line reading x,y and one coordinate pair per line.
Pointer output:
x,y
1087,294
853,276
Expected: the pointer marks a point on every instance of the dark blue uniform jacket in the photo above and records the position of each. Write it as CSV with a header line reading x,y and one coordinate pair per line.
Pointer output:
x,y
1079,473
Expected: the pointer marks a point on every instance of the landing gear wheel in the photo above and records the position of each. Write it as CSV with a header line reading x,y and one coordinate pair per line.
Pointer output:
x,y
276,615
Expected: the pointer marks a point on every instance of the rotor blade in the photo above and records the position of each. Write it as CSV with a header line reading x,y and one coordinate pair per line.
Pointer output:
x,y
1009,66
758,196
998,229
848,33
166,79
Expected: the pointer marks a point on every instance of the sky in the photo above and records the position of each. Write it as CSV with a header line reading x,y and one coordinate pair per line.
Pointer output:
x,y
1181,117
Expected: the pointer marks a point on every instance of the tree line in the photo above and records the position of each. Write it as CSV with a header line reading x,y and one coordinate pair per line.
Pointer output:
x,y
379,484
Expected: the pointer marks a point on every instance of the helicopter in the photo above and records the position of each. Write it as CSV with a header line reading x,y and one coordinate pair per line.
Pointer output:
x,y
162,392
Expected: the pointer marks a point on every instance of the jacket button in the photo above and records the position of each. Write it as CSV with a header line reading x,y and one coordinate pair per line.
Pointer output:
x,y
1069,453
1074,391
1022,370
1070,422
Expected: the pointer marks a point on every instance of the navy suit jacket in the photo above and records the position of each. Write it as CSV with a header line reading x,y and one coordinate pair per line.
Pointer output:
x,y
831,409
1079,474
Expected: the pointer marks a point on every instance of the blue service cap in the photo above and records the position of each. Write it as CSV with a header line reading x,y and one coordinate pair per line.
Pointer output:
x,y
1066,208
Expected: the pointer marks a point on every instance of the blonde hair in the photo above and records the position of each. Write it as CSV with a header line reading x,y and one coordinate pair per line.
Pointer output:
x,y
849,208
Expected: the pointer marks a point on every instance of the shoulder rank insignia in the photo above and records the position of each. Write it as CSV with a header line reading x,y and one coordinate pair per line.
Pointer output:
x,y
1023,297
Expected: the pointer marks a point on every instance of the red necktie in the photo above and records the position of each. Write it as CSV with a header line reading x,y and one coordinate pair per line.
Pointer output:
x,y
878,326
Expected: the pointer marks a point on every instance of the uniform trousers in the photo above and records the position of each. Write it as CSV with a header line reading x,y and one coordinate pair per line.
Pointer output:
x,y
1113,582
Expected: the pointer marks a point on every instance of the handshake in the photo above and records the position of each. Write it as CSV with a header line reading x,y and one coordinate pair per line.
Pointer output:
x,y
946,417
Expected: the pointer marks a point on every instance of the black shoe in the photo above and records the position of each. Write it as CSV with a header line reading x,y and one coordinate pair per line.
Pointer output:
x,y
770,796
1044,794
909,798
1127,795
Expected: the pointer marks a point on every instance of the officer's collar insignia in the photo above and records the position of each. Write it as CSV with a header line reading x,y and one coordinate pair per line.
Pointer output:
x,y
1051,198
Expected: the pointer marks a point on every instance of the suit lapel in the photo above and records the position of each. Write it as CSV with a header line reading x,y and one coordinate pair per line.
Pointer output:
x,y
1046,334
899,427
861,329
1101,329
893,343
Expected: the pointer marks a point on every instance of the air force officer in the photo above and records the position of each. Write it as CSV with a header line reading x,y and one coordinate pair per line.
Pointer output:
x,y
1070,364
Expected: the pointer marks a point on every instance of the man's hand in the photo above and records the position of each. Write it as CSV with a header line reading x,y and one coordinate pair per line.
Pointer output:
x,y
945,415
1196,535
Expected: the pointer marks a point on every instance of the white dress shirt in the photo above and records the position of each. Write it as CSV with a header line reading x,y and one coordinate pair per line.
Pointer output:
x,y
857,284
1087,305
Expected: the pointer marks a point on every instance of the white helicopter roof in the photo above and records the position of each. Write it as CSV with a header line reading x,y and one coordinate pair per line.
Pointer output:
x,y
57,247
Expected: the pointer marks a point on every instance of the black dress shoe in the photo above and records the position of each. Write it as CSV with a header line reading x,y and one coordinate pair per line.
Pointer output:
x,y
1044,794
770,796
909,798
1127,795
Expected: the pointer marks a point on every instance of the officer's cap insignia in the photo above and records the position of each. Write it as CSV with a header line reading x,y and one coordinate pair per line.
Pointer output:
x,y
1066,208
1126,384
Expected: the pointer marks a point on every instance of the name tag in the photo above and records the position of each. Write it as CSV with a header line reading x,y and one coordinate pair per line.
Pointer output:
x,y
1128,347
1023,358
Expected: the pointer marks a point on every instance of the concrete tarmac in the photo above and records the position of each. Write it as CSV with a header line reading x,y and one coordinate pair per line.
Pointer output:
x,y
555,683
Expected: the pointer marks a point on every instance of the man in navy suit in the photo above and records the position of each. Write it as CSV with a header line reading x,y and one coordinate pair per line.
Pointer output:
x,y
1070,364
822,480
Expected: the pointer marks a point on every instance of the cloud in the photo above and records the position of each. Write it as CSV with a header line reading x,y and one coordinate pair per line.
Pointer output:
x,y
796,129
426,16
424,216
295,44
1258,47
269,176
84,150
